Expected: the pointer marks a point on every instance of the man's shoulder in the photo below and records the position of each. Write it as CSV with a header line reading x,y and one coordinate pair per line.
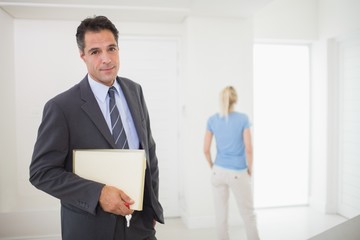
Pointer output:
x,y
129,86
70,95
128,82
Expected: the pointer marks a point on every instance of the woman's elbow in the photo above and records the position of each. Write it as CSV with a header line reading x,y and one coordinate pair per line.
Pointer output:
x,y
206,151
249,151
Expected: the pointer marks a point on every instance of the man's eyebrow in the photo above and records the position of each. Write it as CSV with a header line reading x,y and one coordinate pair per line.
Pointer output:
x,y
93,49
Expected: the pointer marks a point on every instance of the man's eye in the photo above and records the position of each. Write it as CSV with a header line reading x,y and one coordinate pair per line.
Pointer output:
x,y
94,52
113,49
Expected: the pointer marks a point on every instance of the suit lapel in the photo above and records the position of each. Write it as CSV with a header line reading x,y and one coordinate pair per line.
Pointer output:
x,y
91,108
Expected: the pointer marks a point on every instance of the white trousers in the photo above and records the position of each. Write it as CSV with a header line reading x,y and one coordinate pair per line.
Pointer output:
x,y
240,184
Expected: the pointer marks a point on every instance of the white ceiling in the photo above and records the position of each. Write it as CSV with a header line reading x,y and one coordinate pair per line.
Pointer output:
x,y
172,11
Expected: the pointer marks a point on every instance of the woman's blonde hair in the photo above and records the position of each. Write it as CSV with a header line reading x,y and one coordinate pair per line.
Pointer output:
x,y
228,97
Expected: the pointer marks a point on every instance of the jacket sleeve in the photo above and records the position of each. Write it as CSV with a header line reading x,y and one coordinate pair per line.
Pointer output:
x,y
48,171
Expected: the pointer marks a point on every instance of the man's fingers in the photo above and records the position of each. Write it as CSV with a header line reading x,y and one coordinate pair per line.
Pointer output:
x,y
115,201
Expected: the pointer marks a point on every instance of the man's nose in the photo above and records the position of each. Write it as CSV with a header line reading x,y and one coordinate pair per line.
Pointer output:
x,y
106,58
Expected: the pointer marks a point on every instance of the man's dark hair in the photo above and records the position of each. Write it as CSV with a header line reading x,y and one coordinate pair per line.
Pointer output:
x,y
94,24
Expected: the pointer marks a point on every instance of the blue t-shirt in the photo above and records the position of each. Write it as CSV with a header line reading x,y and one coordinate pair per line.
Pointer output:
x,y
228,134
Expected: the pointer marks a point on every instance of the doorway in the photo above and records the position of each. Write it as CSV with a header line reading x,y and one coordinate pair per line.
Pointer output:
x,y
281,125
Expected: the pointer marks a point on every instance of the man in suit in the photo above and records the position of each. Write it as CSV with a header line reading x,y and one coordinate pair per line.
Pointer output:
x,y
79,118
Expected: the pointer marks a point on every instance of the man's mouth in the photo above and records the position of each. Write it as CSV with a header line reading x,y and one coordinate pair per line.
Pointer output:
x,y
107,69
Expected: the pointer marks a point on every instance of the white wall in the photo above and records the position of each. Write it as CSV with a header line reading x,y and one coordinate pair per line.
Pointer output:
x,y
338,17
287,20
7,108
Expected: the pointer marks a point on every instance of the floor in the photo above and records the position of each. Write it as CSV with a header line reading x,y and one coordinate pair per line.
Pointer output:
x,y
298,223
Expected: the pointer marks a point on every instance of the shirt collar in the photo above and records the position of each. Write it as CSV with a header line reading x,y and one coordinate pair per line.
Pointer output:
x,y
100,90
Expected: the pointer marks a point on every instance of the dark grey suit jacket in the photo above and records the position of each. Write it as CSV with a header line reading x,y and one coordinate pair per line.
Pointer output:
x,y
73,120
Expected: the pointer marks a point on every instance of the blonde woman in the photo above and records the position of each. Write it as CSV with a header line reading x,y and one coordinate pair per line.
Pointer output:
x,y
232,168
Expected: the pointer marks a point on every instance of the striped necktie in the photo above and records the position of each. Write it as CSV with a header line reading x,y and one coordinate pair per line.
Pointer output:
x,y
118,131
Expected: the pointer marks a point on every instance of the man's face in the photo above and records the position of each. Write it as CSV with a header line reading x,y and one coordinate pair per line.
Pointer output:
x,y
101,56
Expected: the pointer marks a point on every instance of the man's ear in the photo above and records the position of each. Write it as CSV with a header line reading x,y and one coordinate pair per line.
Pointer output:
x,y
82,55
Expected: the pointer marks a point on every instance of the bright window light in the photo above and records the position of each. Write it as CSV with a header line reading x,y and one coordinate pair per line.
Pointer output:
x,y
281,125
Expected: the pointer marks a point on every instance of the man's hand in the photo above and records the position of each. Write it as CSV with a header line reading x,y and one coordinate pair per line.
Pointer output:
x,y
115,201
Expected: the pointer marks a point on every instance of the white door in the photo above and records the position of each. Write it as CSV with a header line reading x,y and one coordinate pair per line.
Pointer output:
x,y
153,63
349,127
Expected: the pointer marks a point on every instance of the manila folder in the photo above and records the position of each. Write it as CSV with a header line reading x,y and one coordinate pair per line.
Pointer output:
x,y
124,169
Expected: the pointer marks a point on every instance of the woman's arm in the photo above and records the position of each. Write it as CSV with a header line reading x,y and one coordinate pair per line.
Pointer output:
x,y
248,149
207,145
